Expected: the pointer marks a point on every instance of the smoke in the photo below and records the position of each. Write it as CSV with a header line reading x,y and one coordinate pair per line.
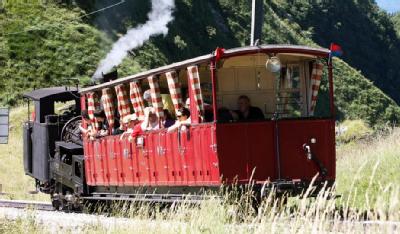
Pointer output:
x,y
159,16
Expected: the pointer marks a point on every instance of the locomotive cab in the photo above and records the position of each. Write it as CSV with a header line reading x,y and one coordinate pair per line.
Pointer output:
x,y
44,127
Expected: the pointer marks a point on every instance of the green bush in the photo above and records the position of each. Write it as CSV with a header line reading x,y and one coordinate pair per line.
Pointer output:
x,y
352,130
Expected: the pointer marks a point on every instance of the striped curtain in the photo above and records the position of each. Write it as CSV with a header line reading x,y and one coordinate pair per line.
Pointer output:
x,y
124,107
316,76
156,99
194,80
108,105
93,104
174,89
137,99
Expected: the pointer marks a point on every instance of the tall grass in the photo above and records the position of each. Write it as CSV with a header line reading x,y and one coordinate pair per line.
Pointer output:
x,y
368,178
14,182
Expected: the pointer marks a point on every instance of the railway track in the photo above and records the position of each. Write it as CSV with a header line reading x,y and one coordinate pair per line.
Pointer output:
x,y
21,204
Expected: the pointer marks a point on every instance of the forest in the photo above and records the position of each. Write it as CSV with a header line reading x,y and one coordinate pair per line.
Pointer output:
x,y
59,43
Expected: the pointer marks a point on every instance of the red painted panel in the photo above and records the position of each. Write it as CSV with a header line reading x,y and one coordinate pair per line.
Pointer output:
x,y
104,160
198,153
98,172
137,162
163,177
245,146
112,151
261,147
295,133
214,167
88,161
174,159
150,146
187,156
126,158
233,151
142,159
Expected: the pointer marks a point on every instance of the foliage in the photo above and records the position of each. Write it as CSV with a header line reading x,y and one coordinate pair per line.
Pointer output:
x,y
352,130
59,41
396,22
365,33
43,46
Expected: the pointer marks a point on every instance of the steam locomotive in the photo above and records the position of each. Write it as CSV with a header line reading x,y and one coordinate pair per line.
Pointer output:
x,y
293,142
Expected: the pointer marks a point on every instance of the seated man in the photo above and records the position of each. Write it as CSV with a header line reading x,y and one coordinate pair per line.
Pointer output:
x,y
247,112
183,115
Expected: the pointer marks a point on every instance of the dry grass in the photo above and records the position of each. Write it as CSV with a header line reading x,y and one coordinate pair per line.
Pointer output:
x,y
14,182
368,178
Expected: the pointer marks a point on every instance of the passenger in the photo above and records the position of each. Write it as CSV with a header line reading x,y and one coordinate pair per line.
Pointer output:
x,y
147,98
208,110
102,121
129,122
151,121
168,120
183,115
86,132
246,111
225,115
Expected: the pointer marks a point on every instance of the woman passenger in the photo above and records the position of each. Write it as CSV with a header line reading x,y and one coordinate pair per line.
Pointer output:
x,y
168,120
183,115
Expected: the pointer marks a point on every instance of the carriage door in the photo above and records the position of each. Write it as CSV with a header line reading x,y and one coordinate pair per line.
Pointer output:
x,y
289,104
294,129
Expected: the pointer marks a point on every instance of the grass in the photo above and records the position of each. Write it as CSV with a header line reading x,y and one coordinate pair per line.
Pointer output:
x,y
14,182
368,178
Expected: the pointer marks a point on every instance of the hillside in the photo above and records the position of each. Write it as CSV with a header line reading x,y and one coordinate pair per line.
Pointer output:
x,y
42,46
396,22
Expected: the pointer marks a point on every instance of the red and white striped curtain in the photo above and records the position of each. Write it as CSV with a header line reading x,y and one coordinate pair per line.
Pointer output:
x,y
93,104
174,89
316,76
108,105
156,99
137,99
124,107
194,79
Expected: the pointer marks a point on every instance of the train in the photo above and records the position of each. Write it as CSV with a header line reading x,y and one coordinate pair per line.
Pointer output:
x,y
257,115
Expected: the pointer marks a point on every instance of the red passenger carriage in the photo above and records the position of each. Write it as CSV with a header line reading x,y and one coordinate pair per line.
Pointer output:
x,y
294,141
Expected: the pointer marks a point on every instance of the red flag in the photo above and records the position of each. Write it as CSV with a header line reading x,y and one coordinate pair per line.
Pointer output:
x,y
336,50
219,52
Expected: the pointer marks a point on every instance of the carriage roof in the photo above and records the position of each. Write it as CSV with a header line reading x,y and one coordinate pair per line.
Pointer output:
x,y
320,52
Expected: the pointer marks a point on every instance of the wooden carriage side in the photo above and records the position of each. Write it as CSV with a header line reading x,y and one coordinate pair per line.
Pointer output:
x,y
212,151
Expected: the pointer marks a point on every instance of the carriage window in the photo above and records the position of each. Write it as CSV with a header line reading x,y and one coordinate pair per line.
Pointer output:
x,y
290,98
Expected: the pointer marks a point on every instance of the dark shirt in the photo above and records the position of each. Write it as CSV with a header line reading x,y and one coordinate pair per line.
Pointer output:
x,y
224,115
255,113
168,123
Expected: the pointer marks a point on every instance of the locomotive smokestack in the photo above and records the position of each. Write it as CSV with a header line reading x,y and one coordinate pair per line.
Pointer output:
x,y
257,15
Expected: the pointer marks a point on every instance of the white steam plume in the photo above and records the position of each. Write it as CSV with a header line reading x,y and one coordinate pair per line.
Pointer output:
x,y
159,17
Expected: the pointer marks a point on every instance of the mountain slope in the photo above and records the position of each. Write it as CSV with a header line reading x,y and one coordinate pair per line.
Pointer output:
x,y
365,32
61,43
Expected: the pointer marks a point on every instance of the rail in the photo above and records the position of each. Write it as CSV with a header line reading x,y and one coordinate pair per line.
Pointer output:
x,y
20,204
